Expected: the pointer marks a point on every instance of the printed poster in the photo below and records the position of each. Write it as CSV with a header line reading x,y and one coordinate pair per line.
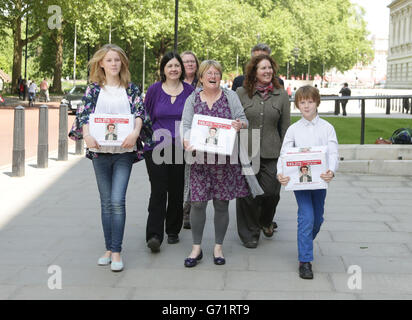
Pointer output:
x,y
212,134
110,129
304,167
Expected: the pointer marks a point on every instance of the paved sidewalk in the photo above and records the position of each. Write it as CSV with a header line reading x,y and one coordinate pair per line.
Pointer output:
x,y
52,217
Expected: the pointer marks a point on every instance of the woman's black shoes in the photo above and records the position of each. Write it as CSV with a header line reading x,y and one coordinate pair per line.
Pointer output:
x,y
172,238
268,231
219,260
154,244
191,262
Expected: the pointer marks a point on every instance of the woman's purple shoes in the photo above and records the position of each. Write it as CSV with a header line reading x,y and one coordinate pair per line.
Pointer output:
x,y
219,260
192,262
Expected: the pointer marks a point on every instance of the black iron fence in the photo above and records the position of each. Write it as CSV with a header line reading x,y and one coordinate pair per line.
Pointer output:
x,y
396,103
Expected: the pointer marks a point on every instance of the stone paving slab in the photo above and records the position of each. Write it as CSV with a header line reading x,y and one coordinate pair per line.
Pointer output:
x,y
56,221
371,236
183,294
72,293
404,226
395,265
293,295
377,283
6,291
364,249
276,281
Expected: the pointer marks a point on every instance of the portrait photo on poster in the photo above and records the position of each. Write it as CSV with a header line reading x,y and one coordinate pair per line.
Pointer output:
x,y
111,129
212,134
304,167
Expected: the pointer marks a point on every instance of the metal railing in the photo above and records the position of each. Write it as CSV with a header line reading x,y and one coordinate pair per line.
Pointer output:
x,y
401,103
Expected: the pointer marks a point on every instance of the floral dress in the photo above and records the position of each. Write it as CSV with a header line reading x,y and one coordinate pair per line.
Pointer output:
x,y
216,181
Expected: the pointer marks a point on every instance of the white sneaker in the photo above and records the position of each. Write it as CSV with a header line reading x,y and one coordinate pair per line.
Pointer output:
x,y
117,266
104,261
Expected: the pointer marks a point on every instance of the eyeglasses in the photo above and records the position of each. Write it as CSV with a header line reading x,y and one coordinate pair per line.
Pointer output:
x,y
216,74
189,61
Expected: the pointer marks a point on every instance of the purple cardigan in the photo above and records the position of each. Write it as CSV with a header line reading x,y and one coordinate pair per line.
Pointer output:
x,y
162,112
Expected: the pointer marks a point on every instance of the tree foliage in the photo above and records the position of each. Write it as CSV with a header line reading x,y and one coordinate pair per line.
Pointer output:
x,y
309,34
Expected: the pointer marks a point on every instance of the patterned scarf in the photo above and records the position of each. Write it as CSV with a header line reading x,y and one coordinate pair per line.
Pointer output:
x,y
264,90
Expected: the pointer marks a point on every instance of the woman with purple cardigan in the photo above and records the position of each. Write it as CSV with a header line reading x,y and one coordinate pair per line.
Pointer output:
x,y
164,103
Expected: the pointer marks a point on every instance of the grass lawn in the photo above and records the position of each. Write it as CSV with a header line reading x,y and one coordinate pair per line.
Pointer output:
x,y
348,129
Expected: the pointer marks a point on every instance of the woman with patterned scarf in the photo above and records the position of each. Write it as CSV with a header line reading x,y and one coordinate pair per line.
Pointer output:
x,y
267,109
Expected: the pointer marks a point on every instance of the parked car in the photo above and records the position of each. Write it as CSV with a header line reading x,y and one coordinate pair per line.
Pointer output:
x,y
380,84
73,98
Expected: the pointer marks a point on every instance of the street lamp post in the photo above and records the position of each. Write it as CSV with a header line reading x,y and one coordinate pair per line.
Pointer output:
x,y
74,54
88,59
25,58
144,64
176,22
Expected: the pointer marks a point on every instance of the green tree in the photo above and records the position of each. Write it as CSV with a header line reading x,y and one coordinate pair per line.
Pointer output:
x,y
12,13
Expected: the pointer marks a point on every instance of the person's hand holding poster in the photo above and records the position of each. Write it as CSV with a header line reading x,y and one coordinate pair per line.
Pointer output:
x,y
304,167
110,129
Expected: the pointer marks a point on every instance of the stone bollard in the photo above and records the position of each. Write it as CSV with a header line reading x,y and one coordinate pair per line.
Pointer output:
x,y
18,143
63,138
43,141
79,146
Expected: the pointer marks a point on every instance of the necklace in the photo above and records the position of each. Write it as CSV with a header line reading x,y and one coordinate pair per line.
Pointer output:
x,y
173,92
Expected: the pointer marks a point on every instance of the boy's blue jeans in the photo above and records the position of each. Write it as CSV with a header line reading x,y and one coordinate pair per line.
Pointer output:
x,y
310,217
112,176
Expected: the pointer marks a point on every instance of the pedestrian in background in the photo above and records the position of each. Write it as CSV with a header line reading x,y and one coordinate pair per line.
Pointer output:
x,y
345,92
32,93
267,108
44,90
21,89
164,102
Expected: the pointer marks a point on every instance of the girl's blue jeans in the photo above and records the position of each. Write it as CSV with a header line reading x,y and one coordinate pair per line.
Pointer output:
x,y
310,217
112,176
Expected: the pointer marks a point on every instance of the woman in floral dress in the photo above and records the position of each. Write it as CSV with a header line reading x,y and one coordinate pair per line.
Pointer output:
x,y
212,181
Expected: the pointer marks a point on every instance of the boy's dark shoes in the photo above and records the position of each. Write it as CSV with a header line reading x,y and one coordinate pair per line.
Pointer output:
x,y
305,270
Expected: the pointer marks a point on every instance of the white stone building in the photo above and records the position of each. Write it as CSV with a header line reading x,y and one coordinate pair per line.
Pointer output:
x,y
399,74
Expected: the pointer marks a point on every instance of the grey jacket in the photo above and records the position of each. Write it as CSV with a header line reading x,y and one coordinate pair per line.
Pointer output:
x,y
271,117
237,113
